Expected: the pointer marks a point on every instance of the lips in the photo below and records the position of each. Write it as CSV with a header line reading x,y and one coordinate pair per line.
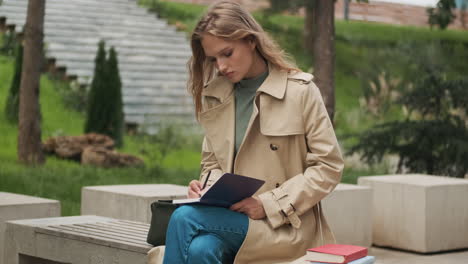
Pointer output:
x,y
229,74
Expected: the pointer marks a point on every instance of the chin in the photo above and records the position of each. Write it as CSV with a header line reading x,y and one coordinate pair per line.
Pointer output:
x,y
233,79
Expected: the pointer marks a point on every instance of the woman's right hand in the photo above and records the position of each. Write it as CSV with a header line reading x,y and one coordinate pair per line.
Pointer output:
x,y
194,190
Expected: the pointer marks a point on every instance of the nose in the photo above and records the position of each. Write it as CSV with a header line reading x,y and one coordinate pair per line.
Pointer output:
x,y
222,67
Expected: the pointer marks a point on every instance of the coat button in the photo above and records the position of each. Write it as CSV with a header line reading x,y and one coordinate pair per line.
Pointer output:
x,y
277,185
274,147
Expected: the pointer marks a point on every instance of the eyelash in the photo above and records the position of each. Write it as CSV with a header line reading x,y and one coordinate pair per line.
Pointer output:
x,y
228,54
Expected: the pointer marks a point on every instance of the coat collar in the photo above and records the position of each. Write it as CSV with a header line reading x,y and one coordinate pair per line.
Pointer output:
x,y
275,85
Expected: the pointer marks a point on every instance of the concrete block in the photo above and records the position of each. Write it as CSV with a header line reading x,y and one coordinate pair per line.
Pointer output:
x,y
17,206
419,213
348,210
130,202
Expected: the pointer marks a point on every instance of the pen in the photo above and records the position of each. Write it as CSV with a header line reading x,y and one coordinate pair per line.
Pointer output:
x,y
206,180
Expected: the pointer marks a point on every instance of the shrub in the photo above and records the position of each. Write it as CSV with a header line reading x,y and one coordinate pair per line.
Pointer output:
x,y
104,113
12,103
114,84
433,136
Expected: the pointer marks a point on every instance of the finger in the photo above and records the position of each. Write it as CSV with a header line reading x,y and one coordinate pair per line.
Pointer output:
x,y
195,183
234,207
191,194
237,206
195,186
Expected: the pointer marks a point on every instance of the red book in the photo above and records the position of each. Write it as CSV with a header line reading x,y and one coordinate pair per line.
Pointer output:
x,y
335,253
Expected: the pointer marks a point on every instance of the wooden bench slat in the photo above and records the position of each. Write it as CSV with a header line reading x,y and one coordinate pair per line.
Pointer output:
x,y
119,227
137,224
124,225
103,233
108,231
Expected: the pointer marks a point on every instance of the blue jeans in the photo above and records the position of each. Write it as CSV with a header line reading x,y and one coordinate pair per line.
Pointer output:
x,y
204,234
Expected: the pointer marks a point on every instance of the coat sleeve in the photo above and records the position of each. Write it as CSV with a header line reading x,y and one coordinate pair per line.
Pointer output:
x,y
324,166
209,165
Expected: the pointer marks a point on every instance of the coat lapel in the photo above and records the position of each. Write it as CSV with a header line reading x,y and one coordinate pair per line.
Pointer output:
x,y
219,121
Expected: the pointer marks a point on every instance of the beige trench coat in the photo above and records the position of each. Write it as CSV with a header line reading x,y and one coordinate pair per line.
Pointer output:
x,y
290,143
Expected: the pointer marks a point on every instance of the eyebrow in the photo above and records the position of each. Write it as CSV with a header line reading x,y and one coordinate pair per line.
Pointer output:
x,y
221,51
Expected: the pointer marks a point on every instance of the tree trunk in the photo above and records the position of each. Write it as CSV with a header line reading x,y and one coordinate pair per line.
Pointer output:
x,y
309,23
29,135
324,52
346,10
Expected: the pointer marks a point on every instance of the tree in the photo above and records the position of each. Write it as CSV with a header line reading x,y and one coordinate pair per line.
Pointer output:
x,y
116,127
12,103
432,137
104,111
29,136
97,93
442,15
319,41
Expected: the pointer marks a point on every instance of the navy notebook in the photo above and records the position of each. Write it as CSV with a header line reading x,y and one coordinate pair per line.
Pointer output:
x,y
226,191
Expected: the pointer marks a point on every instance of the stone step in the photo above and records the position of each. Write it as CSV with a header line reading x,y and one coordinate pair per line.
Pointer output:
x,y
111,7
125,58
71,19
157,109
149,120
155,100
150,83
18,17
133,75
176,38
140,43
152,29
155,91
123,3
131,62
70,6
92,14
120,30
137,83
125,66
139,46
181,69
54,48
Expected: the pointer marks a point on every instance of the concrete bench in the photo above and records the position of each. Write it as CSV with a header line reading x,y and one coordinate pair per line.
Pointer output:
x,y
419,213
129,202
77,240
17,206
348,210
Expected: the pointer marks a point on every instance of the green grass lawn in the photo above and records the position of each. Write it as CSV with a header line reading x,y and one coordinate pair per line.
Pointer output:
x,y
174,158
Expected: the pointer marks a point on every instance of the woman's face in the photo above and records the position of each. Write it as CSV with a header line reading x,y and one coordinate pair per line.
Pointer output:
x,y
233,58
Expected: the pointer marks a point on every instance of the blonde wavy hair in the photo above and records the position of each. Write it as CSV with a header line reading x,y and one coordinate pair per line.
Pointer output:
x,y
228,20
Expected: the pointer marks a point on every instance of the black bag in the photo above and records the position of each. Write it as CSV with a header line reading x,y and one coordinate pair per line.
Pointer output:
x,y
161,212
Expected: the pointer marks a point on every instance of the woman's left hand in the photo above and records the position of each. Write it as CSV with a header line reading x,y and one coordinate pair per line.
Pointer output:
x,y
252,207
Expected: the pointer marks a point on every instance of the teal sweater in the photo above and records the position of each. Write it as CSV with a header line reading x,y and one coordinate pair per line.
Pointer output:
x,y
244,97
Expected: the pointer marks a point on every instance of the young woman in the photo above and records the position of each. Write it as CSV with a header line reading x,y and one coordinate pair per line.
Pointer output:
x,y
262,118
